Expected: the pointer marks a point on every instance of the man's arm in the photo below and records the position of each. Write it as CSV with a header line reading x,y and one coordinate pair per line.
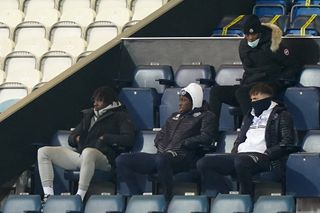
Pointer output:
x,y
74,137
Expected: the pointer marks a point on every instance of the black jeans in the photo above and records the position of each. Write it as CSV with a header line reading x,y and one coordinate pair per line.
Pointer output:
x,y
129,165
242,165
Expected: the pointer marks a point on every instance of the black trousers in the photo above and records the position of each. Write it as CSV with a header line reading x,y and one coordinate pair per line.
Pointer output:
x,y
129,165
243,166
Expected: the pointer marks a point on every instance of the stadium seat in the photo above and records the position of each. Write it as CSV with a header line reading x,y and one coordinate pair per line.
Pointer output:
x,y
201,74
302,179
143,8
188,204
102,5
146,203
169,104
268,10
20,66
12,90
302,10
303,104
11,17
143,98
298,26
82,16
9,4
230,203
71,4
53,63
274,204
6,46
5,32
306,2
282,2
310,76
63,203
225,144
281,21
46,16
117,15
105,204
37,5
22,203
99,33
230,26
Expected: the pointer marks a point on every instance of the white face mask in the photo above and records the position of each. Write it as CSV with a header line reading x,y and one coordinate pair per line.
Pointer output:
x,y
253,44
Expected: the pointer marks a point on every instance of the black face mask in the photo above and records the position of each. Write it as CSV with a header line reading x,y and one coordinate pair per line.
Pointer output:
x,y
260,105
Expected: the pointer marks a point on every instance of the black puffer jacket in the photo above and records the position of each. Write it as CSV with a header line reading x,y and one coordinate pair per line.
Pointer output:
x,y
279,134
114,126
270,60
187,132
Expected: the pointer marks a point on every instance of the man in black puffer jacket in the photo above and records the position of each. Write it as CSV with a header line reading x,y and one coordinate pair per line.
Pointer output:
x,y
183,133
267,136
265,59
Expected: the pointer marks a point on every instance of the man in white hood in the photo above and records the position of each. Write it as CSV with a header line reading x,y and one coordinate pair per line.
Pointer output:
x,y
183,133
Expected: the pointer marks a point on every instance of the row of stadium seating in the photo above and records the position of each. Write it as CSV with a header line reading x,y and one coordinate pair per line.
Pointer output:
x,y
223,203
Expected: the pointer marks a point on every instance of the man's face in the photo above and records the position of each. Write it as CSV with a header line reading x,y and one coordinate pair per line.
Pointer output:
x,y
258,96
184,104
251,37
98,104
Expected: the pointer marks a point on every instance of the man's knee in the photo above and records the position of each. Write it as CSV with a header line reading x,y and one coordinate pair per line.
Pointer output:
x,y
43,152
205,163
89,153
121,160
242,163
162,160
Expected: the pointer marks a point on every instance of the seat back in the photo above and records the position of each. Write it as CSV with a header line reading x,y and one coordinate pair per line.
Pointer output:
x,y
303,104
146,203
149,75
38,5
46,16
298,22
281,21
169,104
229,203
65,30
229,74
145,142
69,4
310,76
4,31
311,141
105,4
63,203
105,203
188,204
274,204
302,10
9,4
82,16
117,15
225,144
269,9
234,30
12,90
22,203
201,74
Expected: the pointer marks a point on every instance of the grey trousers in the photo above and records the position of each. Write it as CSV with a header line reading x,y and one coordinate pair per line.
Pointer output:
x,y
89,160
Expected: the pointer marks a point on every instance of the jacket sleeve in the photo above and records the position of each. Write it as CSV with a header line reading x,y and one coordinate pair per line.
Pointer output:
x,y
206,136
76,132
125,138
286,137
161,134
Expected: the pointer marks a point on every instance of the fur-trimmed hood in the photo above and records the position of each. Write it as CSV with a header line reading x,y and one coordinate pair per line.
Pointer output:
x,y
276,36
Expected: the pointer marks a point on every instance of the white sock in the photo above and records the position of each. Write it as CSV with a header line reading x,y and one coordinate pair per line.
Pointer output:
x,y
47,190
82,193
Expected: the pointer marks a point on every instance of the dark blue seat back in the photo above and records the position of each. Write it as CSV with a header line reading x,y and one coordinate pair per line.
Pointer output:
x,y
236,30
302,10
146,203
22,203
269,9
303,104
201,74
63,203
169,104
229,203
105,203
188,204
298,22
269,204
282,21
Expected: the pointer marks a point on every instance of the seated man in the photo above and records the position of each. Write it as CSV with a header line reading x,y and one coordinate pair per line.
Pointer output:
x,y
103,128
183,132
267,134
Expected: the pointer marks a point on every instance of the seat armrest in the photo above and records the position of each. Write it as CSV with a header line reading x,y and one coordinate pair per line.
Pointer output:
x,y
204,81
72,211
284,212
197,212
155,212
113,211
165,82
31,211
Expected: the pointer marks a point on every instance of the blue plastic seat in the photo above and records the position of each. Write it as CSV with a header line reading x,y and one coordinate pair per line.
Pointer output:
x,y
143,98
302,10
282,21
105,203
282,2
297,23
201,74
304,2
22,203
303,104
274,204
63,203
188,204
146,204
268,10
230,203
169,104
302,175
236,30
310,76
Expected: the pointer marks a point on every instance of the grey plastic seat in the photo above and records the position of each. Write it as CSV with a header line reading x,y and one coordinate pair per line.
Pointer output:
x,y
22,203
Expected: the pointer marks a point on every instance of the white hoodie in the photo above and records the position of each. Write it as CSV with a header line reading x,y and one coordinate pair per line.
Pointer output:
x,y
196,94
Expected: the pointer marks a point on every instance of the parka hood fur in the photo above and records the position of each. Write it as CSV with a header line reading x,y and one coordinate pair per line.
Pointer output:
x,y
276,36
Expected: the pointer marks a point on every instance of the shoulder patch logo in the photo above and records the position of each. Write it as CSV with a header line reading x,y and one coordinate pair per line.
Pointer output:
x,y
286,52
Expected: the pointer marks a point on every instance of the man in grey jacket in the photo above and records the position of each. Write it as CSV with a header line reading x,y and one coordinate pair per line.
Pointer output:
x,y
184,131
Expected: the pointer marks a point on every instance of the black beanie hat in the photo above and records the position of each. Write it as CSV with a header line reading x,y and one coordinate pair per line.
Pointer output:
x,y
252,25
